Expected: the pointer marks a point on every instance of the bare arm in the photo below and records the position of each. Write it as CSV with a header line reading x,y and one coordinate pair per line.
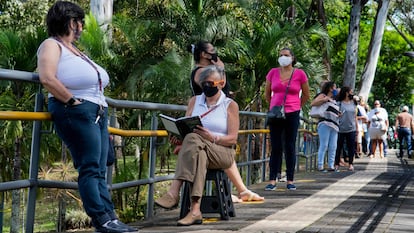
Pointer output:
x,y
305,94
49,55
233,125
319,100
190,106
268,91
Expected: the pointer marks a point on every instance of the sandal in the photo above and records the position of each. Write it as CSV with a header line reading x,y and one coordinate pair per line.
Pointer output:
x,y
236,199
248,195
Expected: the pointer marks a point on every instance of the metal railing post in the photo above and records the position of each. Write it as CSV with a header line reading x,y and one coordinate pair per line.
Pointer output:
x,y
34,165
264,145
249,152
152,165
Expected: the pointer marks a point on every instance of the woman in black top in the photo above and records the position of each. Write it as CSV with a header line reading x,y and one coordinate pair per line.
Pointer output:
x,y
204,55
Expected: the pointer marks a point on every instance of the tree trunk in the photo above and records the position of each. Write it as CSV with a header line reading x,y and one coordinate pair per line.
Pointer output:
x,y
374,48
15,213
102,10
351,56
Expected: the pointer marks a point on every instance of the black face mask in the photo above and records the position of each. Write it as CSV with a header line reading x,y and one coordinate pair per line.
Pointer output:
x,y
214,56
350,96
210,91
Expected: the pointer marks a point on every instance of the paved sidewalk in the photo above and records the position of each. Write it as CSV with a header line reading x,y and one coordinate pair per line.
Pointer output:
x,y
377,197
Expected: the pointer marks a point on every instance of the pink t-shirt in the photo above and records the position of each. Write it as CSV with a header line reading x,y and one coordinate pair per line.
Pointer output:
x,y
279,89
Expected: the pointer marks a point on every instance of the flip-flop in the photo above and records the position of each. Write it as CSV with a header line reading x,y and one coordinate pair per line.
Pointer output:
x,y
248,195
236,199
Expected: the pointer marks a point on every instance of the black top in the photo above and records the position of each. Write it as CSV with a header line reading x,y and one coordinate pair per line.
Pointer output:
x,y
197,90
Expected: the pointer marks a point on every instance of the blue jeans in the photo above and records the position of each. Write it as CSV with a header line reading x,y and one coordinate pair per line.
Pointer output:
x,y
404,134
88,144
328,139
350,146
289,128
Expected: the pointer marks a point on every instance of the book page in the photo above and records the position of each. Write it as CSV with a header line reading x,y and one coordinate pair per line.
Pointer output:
x,y
169,124
188,124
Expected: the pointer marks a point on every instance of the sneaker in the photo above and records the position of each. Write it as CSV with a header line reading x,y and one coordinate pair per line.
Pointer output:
x,y
121,224
270,187
291,187
322,170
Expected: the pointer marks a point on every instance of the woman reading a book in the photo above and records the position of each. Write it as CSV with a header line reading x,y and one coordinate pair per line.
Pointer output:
x,y
208,147
205,54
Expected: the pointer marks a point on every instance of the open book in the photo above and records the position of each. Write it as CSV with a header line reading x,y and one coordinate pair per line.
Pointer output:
x,y
180,126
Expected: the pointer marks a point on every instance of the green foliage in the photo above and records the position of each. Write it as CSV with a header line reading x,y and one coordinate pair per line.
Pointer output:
x,y
394,79
77,219
23,16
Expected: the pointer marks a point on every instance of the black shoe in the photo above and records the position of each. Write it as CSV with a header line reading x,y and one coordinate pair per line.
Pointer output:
x,y
121,224
110,227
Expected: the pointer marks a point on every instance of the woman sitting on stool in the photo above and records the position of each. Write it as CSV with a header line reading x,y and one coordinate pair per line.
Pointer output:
x,y
208,147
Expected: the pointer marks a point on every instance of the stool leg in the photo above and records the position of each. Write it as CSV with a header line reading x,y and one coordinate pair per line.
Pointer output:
x,y
185,200
220,192
227,196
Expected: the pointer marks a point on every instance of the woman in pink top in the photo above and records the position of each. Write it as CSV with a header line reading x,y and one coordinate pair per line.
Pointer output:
x,y
277,81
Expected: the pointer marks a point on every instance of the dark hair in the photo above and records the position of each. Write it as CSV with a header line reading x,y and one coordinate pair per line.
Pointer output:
x,y
326,87
196,49
60,15
342,94
292,54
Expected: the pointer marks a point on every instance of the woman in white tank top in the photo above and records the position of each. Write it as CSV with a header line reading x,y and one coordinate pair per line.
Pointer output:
x,y
79,110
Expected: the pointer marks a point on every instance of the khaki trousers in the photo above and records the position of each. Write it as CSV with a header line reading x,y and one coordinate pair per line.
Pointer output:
x,y
196,156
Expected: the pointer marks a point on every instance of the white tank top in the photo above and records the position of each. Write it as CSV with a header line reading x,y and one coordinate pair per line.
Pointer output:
x,y
216,120
80,77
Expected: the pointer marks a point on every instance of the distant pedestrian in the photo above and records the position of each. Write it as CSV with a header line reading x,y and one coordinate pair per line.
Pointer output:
x,y
378,125
362,119
328,125
278,80
405,127
348,127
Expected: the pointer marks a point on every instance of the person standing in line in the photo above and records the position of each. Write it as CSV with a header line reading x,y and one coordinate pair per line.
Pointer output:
x,y
328,126
204,54
404,125
366,148
277,80
348,127
79,110
377,128
362,118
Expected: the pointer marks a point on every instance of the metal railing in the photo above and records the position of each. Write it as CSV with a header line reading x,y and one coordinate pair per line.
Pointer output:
x,y
306,145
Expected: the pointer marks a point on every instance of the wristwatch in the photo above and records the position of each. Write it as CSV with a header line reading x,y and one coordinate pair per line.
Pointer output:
x,y
71,101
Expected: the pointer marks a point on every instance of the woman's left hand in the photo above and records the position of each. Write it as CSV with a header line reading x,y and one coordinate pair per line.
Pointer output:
x,y
204,132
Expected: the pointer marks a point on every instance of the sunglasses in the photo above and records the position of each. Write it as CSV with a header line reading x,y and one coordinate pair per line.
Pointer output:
x,y
211,83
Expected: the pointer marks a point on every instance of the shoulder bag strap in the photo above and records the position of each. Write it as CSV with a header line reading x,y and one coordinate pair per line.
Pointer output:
x,y
287,88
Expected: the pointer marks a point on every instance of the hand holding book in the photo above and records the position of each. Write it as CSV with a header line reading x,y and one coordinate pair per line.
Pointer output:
x,y
180,126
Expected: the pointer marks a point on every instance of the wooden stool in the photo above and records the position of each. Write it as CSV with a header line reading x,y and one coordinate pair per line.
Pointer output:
x,y
220,202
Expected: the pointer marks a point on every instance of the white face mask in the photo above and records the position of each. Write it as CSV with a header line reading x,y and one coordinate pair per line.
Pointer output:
x,y
284,60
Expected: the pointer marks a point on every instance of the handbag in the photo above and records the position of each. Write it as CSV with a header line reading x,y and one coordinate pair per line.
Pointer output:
x,y
318,111
328,110
278,112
